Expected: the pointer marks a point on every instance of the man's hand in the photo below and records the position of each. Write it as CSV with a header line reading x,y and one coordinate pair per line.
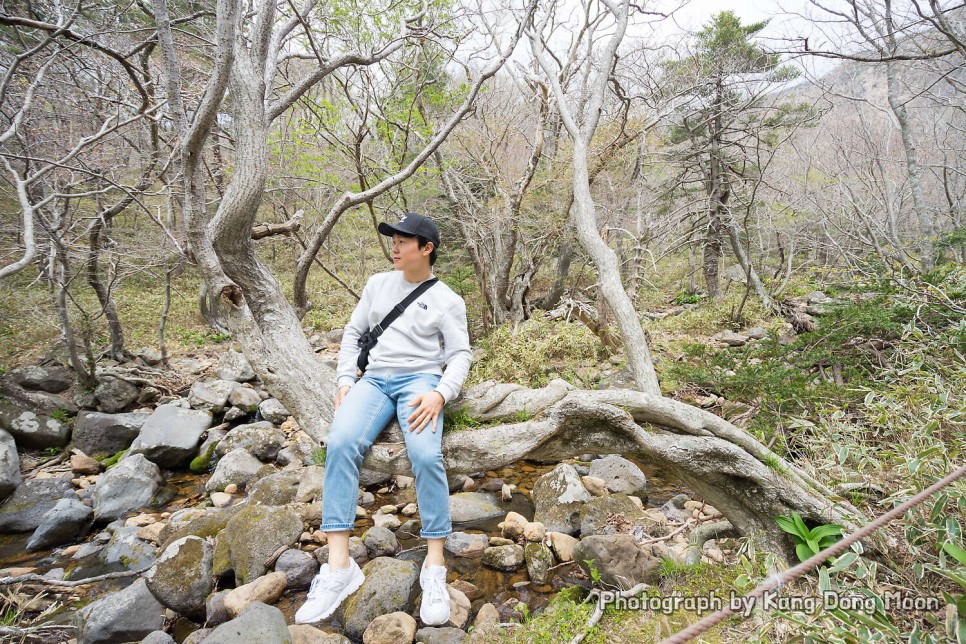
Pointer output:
x,y
343,390
430,404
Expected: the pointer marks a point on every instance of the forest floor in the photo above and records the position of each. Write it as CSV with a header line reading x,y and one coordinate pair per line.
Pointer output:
x,y
874,395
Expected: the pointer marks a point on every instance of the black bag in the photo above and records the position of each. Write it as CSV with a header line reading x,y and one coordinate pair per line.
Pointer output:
x,y
369,339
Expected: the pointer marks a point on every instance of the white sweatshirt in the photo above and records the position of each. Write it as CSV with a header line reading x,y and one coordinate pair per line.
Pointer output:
x,y
431,332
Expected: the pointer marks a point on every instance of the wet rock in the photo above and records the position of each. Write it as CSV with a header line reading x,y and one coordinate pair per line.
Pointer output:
x,y
181,578
65,522
114,395
259,624
237,467
357,551
299,568
463,544
513,525
129,485
170,436
52,379
24,510
507,558
233,365
440,635
276,489
674,508
472,592
386,521
129,615
387,589
211,395
618,559
254,534
393,628
200,522
562,545
595,516
100,434
380,542
273,411
557,497
9,465
472,507
205,459
266,589
33,430
125,547
539,560
262,440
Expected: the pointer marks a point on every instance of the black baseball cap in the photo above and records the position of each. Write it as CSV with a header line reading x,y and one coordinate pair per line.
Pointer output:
x,y
412,223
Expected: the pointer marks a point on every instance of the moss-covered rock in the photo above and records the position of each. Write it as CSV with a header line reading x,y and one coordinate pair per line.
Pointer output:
x,y
207,525
253,535
388,588
204,461
610,515
539,560
181,579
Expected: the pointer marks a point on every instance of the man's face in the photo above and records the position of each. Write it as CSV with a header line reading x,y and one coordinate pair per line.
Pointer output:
x,y
406,253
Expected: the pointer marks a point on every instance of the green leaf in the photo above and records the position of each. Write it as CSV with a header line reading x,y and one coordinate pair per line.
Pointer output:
x,y
803,552
955,552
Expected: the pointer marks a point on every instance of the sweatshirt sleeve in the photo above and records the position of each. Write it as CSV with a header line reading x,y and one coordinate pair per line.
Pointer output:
x,y
349,351
457,353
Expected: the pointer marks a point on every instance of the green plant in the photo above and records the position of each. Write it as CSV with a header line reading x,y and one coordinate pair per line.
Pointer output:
x,y
53,451
318,456
112,461
61,415
809,541
683,297
594,572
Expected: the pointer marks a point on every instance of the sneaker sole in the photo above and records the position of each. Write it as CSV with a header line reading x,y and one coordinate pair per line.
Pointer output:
x,y
351,588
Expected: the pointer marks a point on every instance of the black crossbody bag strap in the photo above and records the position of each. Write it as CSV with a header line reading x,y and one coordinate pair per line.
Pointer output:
x,y
368,339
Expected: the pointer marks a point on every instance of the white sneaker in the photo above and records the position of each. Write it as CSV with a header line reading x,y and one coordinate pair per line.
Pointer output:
x,y
328,590
434,606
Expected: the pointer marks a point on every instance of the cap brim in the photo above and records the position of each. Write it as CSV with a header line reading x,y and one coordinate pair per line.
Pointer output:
x,y
388,230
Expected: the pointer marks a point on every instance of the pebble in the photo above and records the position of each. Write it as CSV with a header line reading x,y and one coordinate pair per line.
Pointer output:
x,y
410,510
231,488
220,499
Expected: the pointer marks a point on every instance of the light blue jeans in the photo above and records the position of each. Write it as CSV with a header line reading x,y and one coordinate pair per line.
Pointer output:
x,y
365,411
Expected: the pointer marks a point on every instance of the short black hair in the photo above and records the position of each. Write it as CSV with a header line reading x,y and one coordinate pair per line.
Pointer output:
x,y
421,241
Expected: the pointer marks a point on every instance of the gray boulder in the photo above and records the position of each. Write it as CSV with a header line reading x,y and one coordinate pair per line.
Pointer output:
x,y
463,544
388,587
24,510
100,434
129,485
557,497
9,465
539,559
618,559
473,507
216,613
171,435
299,568
620,475
237,466
357,551
440,635
114,395
31,429
245,398
280,488
380,542
181,578
126,548
125,616
507,558
257,624
233,365
262,440
63,523
253,535
595,514
273,411
52,379
158,637
211,395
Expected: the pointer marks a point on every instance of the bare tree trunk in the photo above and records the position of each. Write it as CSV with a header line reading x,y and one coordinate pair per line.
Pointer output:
x,y
104,296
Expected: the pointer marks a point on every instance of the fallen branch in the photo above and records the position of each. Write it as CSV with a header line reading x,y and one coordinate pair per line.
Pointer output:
x,y
267,230
6,581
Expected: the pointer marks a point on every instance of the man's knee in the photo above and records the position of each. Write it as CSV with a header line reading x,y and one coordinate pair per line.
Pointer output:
x,y
425,458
